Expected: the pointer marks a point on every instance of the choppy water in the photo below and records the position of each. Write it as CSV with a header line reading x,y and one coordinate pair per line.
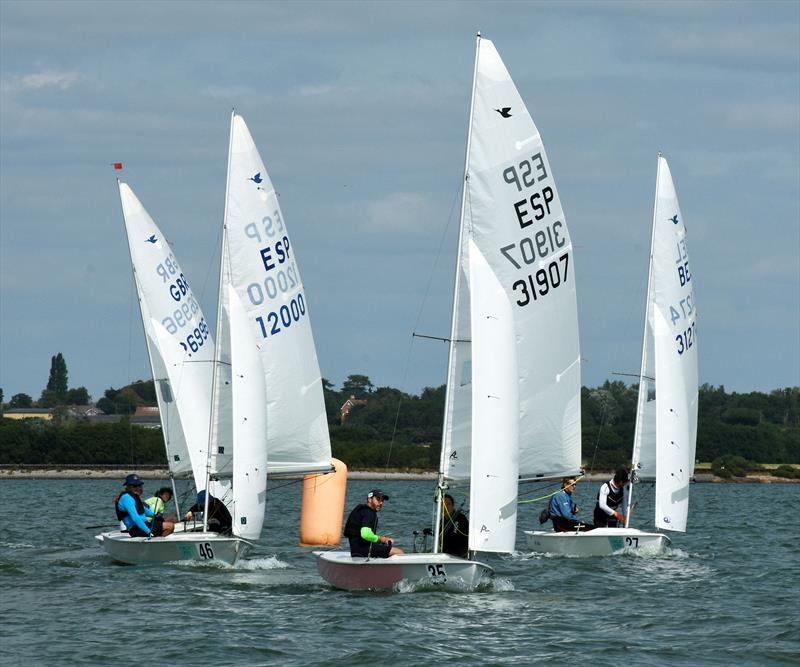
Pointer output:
x,y
726,593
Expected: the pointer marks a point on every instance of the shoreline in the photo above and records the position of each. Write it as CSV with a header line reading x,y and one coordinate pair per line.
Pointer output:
x,y
78,472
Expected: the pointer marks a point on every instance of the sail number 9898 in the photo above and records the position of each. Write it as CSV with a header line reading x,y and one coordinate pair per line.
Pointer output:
x,y
539,284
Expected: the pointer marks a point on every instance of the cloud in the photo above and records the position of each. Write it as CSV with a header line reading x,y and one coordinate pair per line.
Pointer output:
x,y
41,80
400,212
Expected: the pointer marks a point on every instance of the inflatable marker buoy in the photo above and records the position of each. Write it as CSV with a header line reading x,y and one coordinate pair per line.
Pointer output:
x,y
322,509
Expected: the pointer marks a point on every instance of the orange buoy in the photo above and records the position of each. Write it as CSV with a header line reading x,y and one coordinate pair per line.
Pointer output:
x,y
322,509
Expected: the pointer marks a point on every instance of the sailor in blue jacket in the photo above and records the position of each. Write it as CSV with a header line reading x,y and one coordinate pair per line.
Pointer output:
x,y
133,512
563,509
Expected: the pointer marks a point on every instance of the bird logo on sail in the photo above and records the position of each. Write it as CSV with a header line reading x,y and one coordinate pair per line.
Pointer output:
x,y
151,239
256,179
505,112
674,219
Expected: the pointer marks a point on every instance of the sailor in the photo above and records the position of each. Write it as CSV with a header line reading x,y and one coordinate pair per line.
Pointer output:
x,y
610,501
219,518
563,510
157,505
361,527
455,532
133,513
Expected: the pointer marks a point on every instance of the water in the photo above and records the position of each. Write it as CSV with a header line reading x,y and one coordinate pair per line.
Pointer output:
x,y
724,593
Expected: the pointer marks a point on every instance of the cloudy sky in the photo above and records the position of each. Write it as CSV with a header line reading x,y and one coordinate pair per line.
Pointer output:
x,y
360,113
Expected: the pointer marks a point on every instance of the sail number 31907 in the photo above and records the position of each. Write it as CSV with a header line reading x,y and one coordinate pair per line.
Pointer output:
x,y
539,284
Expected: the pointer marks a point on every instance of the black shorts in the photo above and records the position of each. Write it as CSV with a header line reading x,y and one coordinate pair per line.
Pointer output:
x,y
156,527
377,550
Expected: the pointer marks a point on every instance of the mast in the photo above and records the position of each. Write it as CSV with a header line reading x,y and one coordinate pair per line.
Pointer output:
x,y
642,398
217,350
440,486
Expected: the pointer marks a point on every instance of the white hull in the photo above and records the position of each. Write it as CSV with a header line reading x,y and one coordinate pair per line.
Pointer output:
x,y
342,570
597,542
180,546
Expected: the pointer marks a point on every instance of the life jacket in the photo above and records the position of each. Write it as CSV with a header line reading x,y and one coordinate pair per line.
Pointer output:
x,y
156,505
352,528
121,514
614,497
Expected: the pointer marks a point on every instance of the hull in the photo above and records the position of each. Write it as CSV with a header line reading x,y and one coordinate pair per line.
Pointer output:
x,y
353,573
180,546
597,542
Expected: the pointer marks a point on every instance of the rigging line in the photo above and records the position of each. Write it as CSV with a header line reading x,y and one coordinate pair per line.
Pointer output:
x,y
634,375
419,317
446,340
130,356
549,495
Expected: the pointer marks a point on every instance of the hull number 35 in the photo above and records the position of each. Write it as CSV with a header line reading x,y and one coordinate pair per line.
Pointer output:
x,y
437,572
206,552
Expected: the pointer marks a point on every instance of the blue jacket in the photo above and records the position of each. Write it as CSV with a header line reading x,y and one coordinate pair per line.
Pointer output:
x,y
562,505
132,517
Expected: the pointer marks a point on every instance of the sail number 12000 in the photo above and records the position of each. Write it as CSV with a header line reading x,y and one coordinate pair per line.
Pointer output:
x,y
540,283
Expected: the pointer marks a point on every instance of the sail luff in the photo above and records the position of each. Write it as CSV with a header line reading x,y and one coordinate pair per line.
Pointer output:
x,y
644,381
447,426
222,336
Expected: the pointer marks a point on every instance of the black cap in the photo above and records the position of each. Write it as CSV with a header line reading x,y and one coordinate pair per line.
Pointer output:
x,y
377,493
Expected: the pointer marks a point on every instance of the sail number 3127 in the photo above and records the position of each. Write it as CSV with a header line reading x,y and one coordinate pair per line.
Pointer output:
x,y
685,339
539,284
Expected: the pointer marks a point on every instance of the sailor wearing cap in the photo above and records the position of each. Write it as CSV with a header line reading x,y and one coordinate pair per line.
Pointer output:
x,y
134,513
361,529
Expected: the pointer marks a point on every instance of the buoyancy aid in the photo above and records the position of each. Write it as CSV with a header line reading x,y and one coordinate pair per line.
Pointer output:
x,y
614,497
121,514
352,528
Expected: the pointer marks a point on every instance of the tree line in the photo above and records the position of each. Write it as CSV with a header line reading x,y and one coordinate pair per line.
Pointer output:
x,y
386,427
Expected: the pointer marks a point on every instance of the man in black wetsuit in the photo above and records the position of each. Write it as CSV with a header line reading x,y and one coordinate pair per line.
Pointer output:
x,y
455,529
219,518
361,528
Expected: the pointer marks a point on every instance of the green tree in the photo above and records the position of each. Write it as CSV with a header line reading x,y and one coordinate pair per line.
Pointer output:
x,y
357,385
20,401
78,396
58,381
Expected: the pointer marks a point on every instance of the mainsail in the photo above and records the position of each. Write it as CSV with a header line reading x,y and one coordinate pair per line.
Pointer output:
x,y
259,264
666,428
179,342
514,305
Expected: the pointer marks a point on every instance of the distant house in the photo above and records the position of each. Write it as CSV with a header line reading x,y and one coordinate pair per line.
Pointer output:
x,y
44,414
83,411
348,405
146,417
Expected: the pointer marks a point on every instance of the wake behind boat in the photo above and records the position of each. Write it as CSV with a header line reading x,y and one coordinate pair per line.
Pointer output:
x,y
512,406
666,418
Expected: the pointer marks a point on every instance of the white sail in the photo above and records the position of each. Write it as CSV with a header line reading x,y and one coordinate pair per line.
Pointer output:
x,y
264,272
249,424
495,423
674,319
178,338
512,213
666,419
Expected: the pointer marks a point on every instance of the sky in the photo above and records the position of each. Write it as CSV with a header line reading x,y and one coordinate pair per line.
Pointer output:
x,y
360,114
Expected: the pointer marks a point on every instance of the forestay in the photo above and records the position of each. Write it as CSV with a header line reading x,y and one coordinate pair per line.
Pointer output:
x,y
670,356
261,266
179,343
512,217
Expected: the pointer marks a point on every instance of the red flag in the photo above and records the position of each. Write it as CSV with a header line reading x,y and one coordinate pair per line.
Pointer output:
x,y
118,165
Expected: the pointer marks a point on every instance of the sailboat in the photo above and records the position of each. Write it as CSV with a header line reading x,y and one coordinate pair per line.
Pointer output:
x,y
666,417
181,352
266,406
512,406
